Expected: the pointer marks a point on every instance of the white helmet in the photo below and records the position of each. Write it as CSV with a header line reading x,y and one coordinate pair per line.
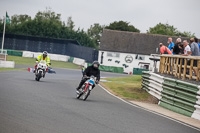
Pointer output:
x,y
45,53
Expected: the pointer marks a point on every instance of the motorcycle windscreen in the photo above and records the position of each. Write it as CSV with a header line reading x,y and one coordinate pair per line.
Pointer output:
x,y
43,62
91,82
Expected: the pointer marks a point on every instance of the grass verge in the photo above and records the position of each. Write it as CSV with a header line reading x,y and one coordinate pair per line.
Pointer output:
x,y
128,88
31,61
12,69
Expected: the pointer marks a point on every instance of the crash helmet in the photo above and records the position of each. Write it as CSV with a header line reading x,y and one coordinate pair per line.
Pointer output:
x,y
95,64
45,53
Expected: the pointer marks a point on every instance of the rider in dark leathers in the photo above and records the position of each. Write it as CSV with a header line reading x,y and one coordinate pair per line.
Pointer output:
x,y
89,71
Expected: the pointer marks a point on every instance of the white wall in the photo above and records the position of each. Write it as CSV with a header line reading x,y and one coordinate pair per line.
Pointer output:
x,y
7,64
116,56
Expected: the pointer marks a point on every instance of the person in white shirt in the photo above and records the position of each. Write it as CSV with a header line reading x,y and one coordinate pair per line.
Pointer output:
x,y
187,49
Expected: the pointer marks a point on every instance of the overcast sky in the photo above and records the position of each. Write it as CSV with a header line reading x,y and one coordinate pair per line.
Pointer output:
x,y
183,14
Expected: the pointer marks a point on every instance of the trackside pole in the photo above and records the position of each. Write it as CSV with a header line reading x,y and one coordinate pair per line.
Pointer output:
x,y
3,35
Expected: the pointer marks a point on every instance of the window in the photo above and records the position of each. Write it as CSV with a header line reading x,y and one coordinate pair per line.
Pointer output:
x,y
140,57
112,54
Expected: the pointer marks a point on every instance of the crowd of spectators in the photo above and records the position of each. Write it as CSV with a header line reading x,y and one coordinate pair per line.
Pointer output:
x,y
184,48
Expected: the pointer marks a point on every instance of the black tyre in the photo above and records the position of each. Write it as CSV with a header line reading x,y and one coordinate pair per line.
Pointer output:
x,y
86,94
79,95
38,77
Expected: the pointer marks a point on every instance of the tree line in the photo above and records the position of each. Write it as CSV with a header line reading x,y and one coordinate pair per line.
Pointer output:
x,y
48,24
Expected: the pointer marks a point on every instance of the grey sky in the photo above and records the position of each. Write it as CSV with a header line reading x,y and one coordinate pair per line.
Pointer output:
x,y
183,14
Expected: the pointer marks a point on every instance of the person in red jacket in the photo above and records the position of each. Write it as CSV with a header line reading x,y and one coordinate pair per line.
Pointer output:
x,y
164,49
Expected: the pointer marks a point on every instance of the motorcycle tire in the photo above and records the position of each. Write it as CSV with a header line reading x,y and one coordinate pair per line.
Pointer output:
x,y
79,95
86,94
39,76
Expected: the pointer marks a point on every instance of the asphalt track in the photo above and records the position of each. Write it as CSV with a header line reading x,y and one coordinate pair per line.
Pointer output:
x,y
50,106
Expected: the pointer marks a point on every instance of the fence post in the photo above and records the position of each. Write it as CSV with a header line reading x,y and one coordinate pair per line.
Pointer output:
x,y
160,67
176,69
169,66
165,65
191,68
173,64
198,68
185,68
180,68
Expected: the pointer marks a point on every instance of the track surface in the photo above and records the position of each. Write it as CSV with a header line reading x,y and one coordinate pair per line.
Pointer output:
x,y
50,106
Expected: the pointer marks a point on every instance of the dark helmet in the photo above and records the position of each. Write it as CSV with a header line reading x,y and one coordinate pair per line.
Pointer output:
x,y
97,64
45,53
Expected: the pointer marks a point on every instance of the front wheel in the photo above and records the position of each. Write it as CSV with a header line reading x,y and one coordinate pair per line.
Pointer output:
x,y
86,94
79,95
38,76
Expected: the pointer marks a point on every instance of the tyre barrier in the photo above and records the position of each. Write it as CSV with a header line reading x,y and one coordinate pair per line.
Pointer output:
x,y
176,95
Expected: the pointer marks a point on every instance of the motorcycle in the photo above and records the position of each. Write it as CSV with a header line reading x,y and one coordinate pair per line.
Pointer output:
x,y
41,70
84,91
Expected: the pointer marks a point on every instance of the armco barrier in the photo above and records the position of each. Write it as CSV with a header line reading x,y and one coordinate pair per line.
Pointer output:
x,y
58,57
78,61
71,59
14,52
7,64
138,71
178,96
109,68
27,54
36,54
63,58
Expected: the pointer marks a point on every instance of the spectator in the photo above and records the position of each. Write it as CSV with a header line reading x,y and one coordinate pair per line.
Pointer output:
x,y
194,47
181,47
187,52
187,49
171,44
194,52
176,49
164,49
196,40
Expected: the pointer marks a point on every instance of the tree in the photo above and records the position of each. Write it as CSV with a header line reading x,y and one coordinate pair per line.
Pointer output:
x,y
48,14
95,32
122,26
47,24
17,19
70,23
166,29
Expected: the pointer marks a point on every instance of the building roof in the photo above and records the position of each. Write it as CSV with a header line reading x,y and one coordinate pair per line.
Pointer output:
x,y
132,42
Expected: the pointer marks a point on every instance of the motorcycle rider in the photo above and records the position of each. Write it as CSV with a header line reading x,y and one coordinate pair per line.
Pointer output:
x,y
89,71
41,57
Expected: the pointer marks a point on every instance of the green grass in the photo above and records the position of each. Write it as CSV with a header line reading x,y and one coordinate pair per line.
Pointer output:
x,y
62,64
127,88
31,62
12,69
21,60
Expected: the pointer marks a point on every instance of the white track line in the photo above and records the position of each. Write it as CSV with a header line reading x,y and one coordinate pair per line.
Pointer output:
x,y
198,129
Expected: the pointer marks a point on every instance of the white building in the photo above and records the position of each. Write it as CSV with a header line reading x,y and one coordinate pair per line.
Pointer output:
x,y
128,49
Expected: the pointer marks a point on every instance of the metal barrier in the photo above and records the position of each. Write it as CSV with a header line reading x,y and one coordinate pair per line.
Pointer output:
x,y
178,96
3,55
180,66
